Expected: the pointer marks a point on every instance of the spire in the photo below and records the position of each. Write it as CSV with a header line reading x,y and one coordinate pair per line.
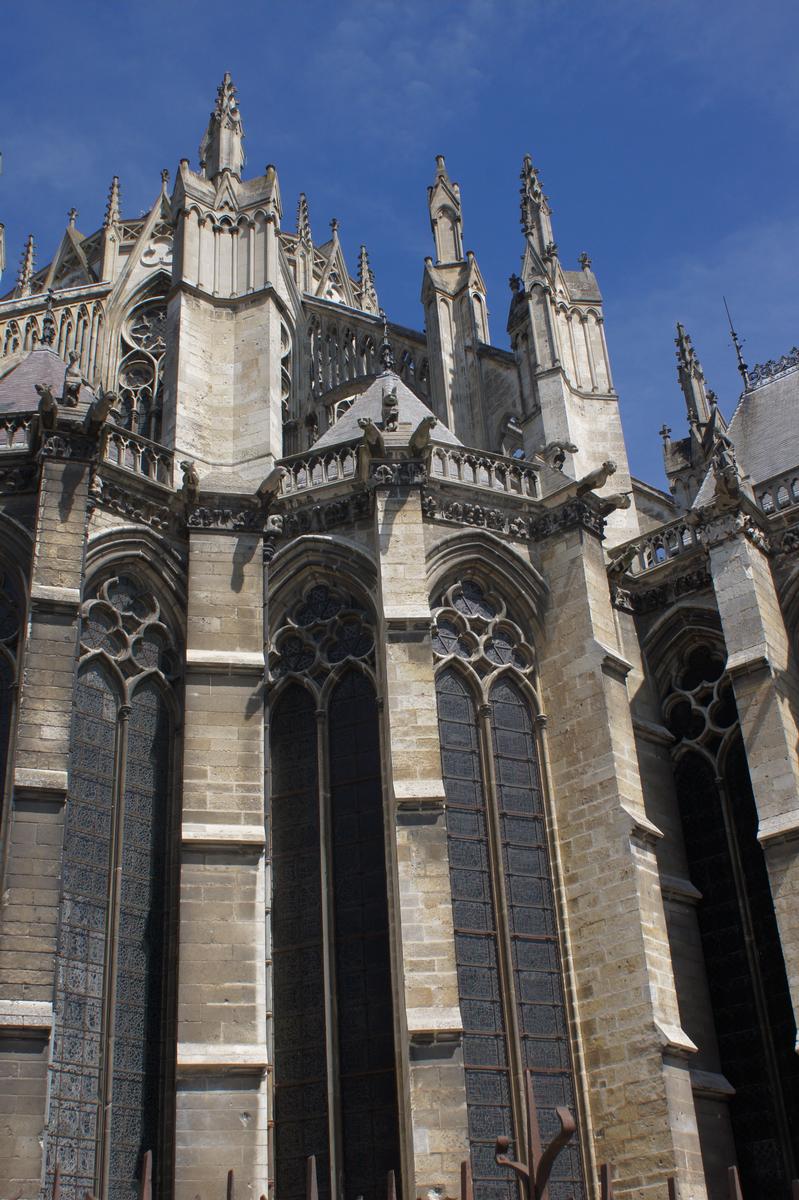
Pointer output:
x,y
366,283
692,379
303,221
112,212
535,211
742,367
446,215
221,149
25,274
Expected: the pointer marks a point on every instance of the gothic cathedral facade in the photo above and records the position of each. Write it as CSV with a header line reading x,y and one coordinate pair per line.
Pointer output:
x,y
383,767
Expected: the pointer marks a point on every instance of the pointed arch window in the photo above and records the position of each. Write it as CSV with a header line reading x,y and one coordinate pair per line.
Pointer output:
x,y
507,946
746,975
141,366
333,1032
113,1037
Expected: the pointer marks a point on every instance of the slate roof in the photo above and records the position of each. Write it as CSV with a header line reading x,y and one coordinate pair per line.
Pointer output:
x,y
17,388
765,432
370,404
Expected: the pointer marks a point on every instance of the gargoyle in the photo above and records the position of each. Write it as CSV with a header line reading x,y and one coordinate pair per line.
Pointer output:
x,y
555,453
270,486
615,500
596,478
72,380
372,437
725,470
390,410
191,482
420,438
48,409
622,561
100,410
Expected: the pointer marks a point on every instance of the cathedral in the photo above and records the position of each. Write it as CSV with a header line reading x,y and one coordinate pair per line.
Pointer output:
x,y
395,789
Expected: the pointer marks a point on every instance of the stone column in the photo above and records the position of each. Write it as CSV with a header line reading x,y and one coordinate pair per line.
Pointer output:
x,y
222,1094
763,674
31,884
426,984
633,1049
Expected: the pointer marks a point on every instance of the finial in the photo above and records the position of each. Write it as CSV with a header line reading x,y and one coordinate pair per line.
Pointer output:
x,y
25,275
72,217
686,355
366,282
515,283
665,432
386,351
532,194
165,178
742,367
303,221
585,261
221,148
112,212
334,227
441,166
48,322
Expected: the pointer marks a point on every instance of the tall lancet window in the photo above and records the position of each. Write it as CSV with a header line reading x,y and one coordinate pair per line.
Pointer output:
x,y
113,1049
507,946
141,367
746,975
334,1054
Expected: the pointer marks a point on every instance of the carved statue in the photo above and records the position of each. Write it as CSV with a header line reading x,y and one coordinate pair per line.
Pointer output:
x,y
372,437
390,410
725,470
420,438
596,478
555,453
72,380
48,409
191,482
622,561
615,500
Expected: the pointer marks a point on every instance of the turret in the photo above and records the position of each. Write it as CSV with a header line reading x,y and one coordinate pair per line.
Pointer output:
x,y
222,147
454,299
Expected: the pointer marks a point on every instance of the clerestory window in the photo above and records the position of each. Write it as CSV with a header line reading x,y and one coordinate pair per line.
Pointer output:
x,y
507,949
335,1083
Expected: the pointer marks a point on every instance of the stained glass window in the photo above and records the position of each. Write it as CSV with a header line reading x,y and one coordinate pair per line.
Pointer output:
x,y
111,1046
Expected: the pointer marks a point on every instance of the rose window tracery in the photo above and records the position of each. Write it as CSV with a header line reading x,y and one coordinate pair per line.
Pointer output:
x,y
476,626
140,382
325,629
124,621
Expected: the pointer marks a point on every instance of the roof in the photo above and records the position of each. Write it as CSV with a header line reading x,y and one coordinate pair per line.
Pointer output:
x,y
412,410
18,387
764,431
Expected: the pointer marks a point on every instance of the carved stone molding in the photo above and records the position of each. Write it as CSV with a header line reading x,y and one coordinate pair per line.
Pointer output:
x,y
574,513
478,515
645,600
19,478
316,518
720,526
404,472
126,503
68,445
226,519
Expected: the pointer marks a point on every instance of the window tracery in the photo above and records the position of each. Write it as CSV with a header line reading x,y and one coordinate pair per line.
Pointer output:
x,y
140,375
326,812
112,1032
507,950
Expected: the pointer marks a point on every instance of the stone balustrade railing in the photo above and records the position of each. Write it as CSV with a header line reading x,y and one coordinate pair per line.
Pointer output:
x,y
659,546
779,493
303,471
15,431
138,455
479,469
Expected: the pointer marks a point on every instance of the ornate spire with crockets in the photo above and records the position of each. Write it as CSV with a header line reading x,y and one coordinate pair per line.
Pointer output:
x,y
366,283
692,379
221,149
446,215
26,268
112,212
535,211
304,221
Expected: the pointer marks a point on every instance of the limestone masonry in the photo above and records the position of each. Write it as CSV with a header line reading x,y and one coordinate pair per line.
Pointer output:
x,y
383,766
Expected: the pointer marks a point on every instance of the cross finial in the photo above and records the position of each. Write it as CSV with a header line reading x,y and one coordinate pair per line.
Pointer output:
x,y
584,260
334,226
515,283
72,216
665,432
165,176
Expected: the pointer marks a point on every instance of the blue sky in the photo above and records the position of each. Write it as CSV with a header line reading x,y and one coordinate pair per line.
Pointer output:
x,y
665,132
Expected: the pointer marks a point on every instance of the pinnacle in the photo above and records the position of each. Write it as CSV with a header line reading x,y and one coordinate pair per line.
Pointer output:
x,y
25,274
112,211
303,220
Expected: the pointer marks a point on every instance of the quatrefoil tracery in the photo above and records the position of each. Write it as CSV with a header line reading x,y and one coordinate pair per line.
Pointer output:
x,y
475,625
700,708
123,621
326,628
